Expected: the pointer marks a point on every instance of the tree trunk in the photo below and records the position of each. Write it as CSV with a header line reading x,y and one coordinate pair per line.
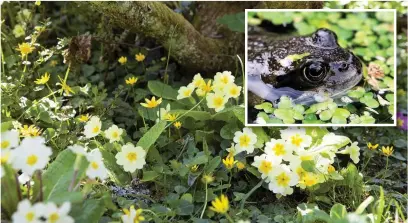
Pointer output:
x,y
206,46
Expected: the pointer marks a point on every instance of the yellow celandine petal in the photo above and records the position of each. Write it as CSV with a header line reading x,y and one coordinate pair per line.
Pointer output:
x,y
171,117
25,48
31,130
206,87
240,165
388,150
220,204
65,88
177,125
151,103
131,80
122,60
194,168
44,79
140,57
310,179
84,118
371,146
229,162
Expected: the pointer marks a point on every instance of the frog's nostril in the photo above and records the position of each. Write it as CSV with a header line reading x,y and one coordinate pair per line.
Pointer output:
x,y
343,67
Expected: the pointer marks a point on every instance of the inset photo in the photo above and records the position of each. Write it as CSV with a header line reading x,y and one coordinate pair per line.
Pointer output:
x,y
320,67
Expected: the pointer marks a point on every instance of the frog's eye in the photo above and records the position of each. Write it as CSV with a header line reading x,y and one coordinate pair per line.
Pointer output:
x,y
315,72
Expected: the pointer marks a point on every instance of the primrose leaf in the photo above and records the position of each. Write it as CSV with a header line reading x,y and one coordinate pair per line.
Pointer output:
x,y
150,137
338,212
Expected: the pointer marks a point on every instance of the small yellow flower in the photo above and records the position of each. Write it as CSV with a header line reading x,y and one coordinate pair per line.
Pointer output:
x,y
37,3
400,122
220,204
64,87
207,178
229,162
331,169
170,117
84,118
310,179
194,168
122,60
372,146
44,79
31,130
177,125
151,103
240,165
131,80
387,151
206,87
25,48
53,63
140,57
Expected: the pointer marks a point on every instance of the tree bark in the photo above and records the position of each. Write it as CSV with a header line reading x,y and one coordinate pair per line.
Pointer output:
x,y
194,50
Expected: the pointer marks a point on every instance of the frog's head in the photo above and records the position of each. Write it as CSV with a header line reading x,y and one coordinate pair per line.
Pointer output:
x,y
302,66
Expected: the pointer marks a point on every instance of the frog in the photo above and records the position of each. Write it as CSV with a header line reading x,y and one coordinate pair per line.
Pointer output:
x,y
307,69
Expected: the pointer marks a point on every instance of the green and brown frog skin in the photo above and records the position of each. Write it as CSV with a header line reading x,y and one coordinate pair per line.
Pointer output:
x,y
303,68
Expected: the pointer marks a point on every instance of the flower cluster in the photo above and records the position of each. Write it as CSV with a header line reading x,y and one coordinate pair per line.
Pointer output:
x,y
217,91
41,212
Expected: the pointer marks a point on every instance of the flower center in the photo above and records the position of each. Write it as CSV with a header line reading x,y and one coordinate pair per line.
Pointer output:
x,y
94,165
244,141
265,167
30,216
5,144
233,91
32,160
283,179
95,129
131,156
224,79
279,149
115,134
296,140
53,217
300,171
187,92
218,101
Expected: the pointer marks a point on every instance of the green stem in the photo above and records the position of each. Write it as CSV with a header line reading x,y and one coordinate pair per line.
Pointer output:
x,y
386,169
195,106
249,194
365,165
55,98
229,218
205,202
66,73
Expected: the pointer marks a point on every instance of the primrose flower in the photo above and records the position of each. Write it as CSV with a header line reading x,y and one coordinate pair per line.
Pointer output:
x,y
84,118
223,78
31,155
132,215
140,57
55,214
96,166
232,91
113,133
25,48
266,164
44,79
279,148
229,162
216,101
308,180
387,150
198,80
131,157
27,131
9,139
220,204
122,60
162,113
245,140
151,103
27,213
372,146
283,180
331,169
177,125
78,149
297,137
93,127
353,150
185,92
131,81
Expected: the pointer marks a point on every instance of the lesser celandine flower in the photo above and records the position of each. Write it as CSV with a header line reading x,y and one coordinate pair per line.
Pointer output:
x,y
297,137
44,79
132,215
194,168
245,140
9,139
131,157
177,125
266,164
171,117
220,204
113,133
122,60
387,150
27,131
185,92
25,48
283,181
162,113
372,146
84,118
151,103
96,168
131,80
27,213
216,101
93,127
65,87
55,214
279,148
31,155
206,87
140,57
229,162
